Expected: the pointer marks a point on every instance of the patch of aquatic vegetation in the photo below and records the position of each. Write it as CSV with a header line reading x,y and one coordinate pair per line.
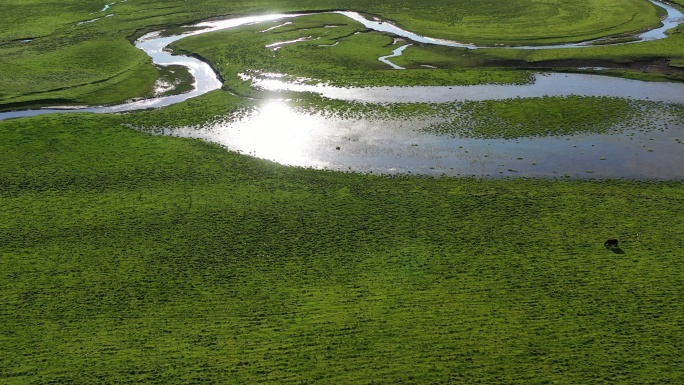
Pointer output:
x,y
311,103
511,118
173,80
166,127
550,116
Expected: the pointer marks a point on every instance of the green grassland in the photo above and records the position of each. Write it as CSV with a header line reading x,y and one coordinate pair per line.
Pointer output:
x,y
534,22
346,55
91,63
26,77
134,258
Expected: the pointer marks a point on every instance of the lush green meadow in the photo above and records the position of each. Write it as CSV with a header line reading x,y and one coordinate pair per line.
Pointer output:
x,y
134,258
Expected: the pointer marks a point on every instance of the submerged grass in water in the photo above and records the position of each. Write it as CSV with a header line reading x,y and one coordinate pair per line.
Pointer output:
x,y
512,118
551,116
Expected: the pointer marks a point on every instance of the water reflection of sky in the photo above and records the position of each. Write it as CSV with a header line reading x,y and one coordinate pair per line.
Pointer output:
x,y
288,136
275,132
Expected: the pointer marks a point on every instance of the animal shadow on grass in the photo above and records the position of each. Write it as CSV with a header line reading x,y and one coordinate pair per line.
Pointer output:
x,y
616,250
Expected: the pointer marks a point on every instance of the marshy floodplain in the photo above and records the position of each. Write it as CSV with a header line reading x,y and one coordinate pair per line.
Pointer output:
x,y
249,54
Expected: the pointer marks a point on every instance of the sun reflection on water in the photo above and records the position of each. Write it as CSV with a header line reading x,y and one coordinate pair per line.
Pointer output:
x,y
276,132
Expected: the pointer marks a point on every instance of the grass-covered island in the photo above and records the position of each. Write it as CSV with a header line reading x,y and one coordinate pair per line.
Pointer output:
x,y
128,257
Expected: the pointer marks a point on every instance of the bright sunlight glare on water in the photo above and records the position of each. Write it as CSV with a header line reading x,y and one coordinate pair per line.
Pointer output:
x,y
274,131
277,132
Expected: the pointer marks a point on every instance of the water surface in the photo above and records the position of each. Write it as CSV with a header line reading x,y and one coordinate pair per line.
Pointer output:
x,y
285,135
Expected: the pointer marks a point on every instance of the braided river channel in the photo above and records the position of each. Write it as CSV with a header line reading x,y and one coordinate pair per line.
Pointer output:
x,y
651,148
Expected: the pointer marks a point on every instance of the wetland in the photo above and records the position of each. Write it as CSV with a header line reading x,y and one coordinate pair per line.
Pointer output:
x,y
416,144
239,198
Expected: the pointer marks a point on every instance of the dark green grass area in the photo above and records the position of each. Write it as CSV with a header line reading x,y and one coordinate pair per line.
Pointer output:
x,y
133,258
98,72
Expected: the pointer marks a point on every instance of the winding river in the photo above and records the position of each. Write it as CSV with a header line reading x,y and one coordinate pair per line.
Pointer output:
x,y
397,146
206,80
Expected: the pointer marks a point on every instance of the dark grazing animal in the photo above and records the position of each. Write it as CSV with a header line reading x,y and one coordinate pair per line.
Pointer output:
x,y
610,243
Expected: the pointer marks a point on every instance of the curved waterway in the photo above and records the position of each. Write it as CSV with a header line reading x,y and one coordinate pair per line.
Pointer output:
x,y
206,80
398,146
